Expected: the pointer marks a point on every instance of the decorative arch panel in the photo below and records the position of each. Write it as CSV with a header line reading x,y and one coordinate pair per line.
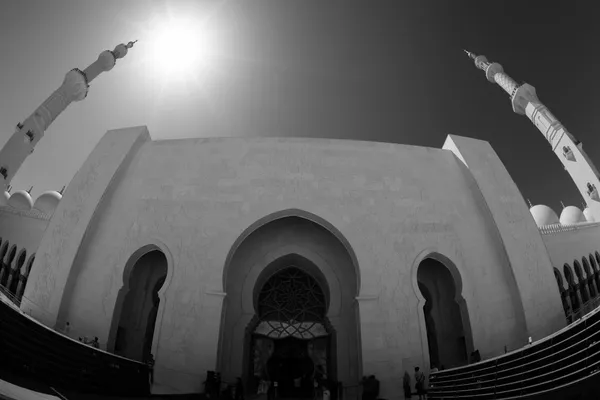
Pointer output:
x,y
291,303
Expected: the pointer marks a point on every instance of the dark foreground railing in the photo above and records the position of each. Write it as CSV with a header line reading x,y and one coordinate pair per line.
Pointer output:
x,y
34,353
564,365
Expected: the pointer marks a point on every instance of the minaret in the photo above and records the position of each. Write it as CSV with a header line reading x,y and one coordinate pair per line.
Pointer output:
x,y
74,88
567,148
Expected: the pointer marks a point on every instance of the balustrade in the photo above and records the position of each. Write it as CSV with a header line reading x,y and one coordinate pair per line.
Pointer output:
x,y
39,354
568,360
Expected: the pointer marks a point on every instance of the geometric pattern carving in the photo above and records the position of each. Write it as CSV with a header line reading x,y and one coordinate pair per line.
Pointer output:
x,y
291,303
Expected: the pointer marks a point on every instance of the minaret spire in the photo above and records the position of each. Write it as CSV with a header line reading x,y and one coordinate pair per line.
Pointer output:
x,y
567,148
74,88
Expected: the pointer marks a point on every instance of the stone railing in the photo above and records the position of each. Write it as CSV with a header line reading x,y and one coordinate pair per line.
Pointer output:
x,y
557,228
35,353
563,365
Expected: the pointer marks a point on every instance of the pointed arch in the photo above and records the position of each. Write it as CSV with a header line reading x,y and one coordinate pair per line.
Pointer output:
x,y
462,317
152,245
3,266
581,283
7,267
27,267
11,254
559,280
25,271
589,278
572,287
564,296
595,272
3,250
15,272
293,212
287,238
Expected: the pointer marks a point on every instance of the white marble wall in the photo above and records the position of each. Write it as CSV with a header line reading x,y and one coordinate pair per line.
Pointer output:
x,y
394,204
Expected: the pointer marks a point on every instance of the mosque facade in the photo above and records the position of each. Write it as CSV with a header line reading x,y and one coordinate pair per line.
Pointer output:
x,y
282,257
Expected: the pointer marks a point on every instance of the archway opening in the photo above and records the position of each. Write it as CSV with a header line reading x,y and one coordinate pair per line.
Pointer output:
x,y
290,334
564,296
15,274
6,268
135,330
595,272
285,239
446,333
575,303
589,278
581,284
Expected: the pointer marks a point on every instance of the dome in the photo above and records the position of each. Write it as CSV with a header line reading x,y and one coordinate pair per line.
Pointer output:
x,y
20,200
543,215
47,202
587,213
571,215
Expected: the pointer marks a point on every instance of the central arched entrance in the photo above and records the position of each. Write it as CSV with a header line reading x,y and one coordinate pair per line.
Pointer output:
x,y
289,336
291,282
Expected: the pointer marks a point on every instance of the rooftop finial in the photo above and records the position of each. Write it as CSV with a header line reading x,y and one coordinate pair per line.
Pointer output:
x,y
563,205
529,201
130,44
62,190
30,189
8,188
471,55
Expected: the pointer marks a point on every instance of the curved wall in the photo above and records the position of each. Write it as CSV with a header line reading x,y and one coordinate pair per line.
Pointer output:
x,y
391,202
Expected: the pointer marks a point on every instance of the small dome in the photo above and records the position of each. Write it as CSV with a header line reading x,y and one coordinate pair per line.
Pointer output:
x,y
4,198
20,200
47,202
543,215
587,213
571,215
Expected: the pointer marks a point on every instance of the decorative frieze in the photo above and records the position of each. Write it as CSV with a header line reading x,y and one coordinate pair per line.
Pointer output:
x,y
557,228
33,213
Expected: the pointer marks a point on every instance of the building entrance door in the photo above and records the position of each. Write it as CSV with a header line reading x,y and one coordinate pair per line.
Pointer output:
x,y
292,369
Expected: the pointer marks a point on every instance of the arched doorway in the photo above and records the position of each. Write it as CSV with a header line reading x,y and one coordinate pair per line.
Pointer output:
x,y
6,267
273,244
444,320
15,275
290,337
139,307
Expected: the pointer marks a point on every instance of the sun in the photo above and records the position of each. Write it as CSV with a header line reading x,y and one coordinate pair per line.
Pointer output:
x,y
181,46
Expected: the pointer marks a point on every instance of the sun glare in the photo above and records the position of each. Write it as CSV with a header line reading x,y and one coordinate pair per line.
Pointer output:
x,y
181,47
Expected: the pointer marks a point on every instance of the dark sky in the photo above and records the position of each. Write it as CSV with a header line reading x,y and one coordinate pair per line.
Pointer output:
x,y
392,72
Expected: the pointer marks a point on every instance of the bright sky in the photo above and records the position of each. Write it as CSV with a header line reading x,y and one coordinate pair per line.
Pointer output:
x,y
392,73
